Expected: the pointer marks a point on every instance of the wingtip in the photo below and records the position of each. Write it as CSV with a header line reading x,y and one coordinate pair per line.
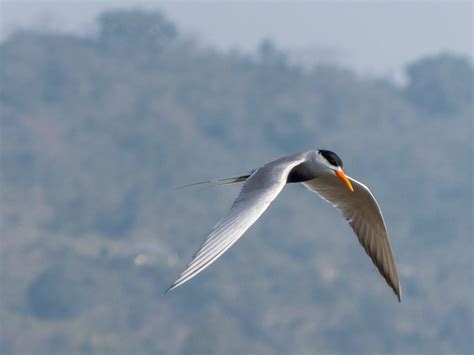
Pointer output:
x,y
171,288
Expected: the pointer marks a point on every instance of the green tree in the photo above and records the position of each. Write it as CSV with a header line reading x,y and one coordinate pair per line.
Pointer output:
x,y
441,83
128,30
58,293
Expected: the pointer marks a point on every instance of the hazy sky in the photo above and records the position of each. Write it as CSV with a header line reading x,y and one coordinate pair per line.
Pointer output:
x,y
371,36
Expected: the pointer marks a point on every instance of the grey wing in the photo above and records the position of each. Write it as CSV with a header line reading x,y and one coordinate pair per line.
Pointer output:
x,y
362,212
260,189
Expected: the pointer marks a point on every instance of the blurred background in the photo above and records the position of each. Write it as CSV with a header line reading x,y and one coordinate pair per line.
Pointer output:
x,y
107,106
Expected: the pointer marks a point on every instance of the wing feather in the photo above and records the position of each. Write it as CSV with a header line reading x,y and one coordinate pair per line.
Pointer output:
x,y
362,212
259,190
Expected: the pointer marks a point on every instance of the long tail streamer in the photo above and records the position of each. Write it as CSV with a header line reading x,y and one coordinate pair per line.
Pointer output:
x,y
217,182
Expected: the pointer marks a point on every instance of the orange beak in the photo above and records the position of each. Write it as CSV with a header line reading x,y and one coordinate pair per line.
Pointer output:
x,y
344,179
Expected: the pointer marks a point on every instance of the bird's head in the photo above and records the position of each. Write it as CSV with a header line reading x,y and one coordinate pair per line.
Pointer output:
x,y
332,162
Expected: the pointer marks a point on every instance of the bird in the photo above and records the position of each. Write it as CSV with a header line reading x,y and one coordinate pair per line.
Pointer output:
x,y
321,172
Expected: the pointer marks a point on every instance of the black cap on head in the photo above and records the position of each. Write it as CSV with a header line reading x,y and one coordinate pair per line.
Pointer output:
x,y
331,157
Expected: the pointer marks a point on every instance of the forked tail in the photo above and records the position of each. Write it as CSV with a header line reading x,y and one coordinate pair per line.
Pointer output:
x,y
218,182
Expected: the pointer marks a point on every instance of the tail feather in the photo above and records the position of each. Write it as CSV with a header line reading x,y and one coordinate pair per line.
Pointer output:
x,y
218,182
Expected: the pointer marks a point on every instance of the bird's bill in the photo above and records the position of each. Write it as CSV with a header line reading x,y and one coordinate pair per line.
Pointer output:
x,y
340,174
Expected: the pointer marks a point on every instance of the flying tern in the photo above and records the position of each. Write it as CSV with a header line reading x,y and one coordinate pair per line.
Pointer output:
x,y
318,170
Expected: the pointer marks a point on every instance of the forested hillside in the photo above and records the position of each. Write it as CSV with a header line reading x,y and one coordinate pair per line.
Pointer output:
x,y
97,130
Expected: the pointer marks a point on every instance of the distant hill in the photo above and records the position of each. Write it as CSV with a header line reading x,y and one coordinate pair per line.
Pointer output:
x,y
96,132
